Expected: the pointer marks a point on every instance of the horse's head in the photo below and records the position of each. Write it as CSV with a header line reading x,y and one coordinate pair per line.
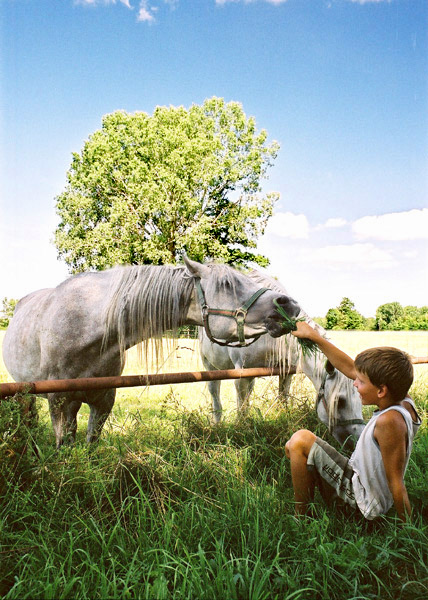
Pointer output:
x,y
339,406
233,306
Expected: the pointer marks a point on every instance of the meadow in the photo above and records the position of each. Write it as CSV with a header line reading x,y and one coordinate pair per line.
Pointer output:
x,y
168,506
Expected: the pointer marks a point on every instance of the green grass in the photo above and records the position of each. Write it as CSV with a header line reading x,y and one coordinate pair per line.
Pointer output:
x,y
167,506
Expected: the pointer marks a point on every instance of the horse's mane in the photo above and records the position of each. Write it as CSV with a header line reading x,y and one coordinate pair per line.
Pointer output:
x,y
146,301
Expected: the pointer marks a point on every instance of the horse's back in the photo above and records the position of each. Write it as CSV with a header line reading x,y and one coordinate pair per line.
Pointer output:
x,y
57,332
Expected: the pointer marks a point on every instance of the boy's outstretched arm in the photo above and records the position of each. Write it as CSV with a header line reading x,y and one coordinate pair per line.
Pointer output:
x,y
337,357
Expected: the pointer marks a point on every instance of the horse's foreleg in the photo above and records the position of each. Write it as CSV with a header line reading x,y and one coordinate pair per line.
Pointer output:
x,y
214,390
63,410
284,384
99,411
244,388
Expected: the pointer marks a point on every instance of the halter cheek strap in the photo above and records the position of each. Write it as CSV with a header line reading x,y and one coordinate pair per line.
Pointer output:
x,y
239,315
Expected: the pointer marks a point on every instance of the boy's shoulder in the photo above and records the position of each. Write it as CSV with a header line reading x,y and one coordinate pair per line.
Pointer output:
x,y
391,425
394,413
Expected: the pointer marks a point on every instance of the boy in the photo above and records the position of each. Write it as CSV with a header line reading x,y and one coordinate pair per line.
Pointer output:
x,y
372,480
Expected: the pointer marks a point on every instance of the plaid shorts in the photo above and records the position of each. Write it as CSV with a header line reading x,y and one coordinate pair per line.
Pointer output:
x,y
333,470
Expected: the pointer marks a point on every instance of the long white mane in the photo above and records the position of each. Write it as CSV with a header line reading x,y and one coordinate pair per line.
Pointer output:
x,y
146,301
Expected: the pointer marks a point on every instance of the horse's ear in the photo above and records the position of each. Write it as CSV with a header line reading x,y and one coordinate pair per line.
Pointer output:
x,y
195,268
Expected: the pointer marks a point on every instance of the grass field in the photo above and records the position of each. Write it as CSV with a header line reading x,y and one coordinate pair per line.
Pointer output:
x,y
167,506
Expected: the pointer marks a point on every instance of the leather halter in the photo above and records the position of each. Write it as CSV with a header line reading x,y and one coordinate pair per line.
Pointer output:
x,y
239,315
321,398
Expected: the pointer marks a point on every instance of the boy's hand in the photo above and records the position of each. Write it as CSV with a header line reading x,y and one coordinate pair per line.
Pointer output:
x,y
338,359
304,330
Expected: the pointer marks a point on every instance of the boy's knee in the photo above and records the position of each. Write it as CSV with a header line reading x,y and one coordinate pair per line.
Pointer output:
x,y
300,441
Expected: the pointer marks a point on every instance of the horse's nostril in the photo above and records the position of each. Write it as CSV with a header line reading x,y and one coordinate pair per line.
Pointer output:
x,y
289,305
283,300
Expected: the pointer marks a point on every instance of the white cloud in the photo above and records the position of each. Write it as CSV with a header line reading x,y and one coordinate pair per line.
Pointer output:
x,y
352,256
97,2
145,13
331,224
288,225
334,223
410,225
274,2
369,1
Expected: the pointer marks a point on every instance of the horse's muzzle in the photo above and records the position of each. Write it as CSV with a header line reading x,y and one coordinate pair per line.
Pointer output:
x,y
274,320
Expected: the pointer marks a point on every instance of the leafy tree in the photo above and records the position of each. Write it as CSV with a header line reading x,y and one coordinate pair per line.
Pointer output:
x,y
333,319
8,306
390,316
415,318
145,188
369,324
345,316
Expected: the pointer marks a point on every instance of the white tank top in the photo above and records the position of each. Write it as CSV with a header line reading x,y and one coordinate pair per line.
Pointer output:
x,y
369,481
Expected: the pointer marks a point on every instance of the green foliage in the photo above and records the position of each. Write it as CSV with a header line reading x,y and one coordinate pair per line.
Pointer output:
x,y
146,188
393,316
167,506
345,316
289,324
6,313
18,433
321,321
390,316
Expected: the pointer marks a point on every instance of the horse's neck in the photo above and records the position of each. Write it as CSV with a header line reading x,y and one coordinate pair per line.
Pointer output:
x,y
313,367
145,302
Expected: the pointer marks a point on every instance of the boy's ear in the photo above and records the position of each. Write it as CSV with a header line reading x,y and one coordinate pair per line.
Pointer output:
x,y
382,391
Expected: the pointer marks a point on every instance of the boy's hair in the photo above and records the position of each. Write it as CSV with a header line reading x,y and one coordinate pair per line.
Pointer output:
x,y
387,366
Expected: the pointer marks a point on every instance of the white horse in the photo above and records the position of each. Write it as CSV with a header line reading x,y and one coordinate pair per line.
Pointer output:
x,y
338,404
83,327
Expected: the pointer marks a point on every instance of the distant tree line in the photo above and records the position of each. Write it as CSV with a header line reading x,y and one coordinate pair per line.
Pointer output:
x,y
390,316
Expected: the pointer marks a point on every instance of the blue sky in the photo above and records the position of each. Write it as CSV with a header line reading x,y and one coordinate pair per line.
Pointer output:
x,y
342,85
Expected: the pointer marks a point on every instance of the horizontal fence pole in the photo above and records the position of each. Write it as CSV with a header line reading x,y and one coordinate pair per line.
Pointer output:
x,y
419,360
120,381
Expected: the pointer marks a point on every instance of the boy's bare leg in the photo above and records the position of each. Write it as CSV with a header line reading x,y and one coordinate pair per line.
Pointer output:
x,y
297,449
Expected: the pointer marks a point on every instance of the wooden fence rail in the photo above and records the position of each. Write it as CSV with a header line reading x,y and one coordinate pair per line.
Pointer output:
x,y
120,381
103,383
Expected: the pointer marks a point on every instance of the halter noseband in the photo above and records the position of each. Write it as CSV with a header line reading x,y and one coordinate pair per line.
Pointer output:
x,y
321,398
239,315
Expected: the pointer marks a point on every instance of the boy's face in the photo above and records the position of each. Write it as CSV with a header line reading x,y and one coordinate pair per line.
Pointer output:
x,y
369,393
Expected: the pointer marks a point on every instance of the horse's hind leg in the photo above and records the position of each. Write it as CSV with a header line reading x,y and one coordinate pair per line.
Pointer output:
x,y
63,410
99,411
